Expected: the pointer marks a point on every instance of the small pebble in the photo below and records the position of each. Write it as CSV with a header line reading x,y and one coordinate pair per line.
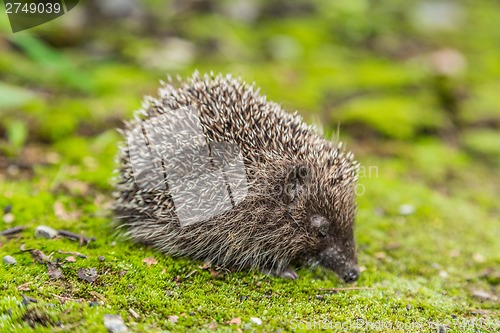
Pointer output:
x,y
406,209
483,295
9,260
43,231
114,323
478,257
8,218
256,320
442,329
443,274
101,258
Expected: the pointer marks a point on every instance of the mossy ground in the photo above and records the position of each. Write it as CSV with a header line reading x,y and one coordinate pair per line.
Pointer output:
x,y
428,225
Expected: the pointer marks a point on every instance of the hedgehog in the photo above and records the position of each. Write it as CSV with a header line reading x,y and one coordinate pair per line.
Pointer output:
x,y
212,170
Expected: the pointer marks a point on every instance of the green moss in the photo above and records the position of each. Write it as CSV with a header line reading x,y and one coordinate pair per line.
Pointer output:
x,y
382,114
346,62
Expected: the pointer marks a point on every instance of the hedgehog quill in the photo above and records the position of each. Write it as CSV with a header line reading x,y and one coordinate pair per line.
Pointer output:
x,y
213,171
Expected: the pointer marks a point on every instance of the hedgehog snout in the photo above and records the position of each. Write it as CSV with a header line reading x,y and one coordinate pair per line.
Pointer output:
x,y
346,267
351,275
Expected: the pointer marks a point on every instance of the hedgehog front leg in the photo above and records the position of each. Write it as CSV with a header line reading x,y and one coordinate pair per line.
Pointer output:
x,y
287,273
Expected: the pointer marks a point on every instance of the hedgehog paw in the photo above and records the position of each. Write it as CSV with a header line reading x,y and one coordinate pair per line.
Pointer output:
x,y
288,273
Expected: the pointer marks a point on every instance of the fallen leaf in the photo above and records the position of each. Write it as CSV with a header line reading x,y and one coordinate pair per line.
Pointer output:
x,y
70,259
235,321
87,274
393,246
54,271
25,286
173,319
39,256
150,261
76,187
97,296
62,214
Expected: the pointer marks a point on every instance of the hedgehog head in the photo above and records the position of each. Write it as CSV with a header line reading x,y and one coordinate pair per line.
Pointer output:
x,y
319,196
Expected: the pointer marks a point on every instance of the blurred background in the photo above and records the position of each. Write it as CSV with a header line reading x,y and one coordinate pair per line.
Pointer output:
x,y
412,87
384,70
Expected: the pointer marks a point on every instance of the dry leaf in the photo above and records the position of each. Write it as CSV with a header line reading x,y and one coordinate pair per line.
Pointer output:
x,y
236,321
150,261
54,271
62,214
87,274
25,286
39,256
97,296
70,259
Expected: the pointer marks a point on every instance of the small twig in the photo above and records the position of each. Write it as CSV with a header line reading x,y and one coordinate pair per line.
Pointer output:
x,y
98,296
65,299
27,299
134,314
76,237
336,290
78,254
189,274
12,231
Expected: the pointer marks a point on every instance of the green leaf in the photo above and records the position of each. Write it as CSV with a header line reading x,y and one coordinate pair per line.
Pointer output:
x,y
56,62
12,96
17,133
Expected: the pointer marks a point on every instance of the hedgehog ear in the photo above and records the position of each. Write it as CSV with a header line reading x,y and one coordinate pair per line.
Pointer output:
x,y
294,181
320,223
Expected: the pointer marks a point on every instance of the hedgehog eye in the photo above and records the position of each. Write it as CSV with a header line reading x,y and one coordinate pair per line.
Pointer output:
x,y
323,230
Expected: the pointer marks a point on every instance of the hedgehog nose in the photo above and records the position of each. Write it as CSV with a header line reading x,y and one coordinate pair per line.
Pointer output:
x,y
352,275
